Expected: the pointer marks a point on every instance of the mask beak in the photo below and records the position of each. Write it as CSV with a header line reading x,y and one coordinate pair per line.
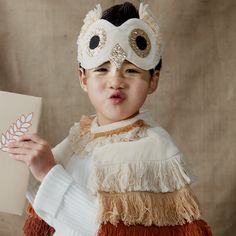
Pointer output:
x,y
117,56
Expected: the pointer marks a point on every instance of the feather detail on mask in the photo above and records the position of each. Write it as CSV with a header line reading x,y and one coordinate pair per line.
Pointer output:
x,y
90,18
147,16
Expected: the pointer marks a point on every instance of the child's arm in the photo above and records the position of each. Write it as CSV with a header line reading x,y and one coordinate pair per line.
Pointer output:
x,y
60,201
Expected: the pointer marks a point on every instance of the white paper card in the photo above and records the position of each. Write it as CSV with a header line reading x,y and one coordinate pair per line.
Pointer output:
x,y
19,114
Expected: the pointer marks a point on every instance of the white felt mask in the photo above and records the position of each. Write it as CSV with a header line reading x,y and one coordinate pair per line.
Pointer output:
x,y
136,40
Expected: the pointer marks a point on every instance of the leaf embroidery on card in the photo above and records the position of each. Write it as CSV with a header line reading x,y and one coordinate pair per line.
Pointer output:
x,y
16,130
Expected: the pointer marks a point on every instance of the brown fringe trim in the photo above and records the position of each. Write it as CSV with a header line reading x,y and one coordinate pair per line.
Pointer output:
x,y
196,228
138,123
80,135
86,121
147,208
35,226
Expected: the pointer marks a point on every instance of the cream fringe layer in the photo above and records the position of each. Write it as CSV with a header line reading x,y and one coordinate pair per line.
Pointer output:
x,y
154,176
146,208
196,228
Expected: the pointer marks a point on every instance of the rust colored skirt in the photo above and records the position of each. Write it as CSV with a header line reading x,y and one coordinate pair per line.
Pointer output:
x,y
196,228
35,226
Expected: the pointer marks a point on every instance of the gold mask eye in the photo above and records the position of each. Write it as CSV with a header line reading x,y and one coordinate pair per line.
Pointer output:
x,y
140,42
96,41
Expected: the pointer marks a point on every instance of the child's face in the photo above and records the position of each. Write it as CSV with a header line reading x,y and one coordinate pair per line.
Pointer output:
x,y
117,94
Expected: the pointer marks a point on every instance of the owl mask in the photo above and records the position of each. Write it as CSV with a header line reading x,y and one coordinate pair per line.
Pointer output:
x,y
136,40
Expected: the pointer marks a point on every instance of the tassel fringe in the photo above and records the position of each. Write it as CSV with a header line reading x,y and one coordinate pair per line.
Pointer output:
x,y
161,209
196,228
154,176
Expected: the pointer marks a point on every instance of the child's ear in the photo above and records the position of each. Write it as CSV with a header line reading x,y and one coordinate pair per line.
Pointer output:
x,y
82,79
153,83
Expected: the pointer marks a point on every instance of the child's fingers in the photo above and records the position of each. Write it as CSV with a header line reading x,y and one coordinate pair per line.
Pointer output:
x,y
24,144
25,155
33,137
22,151
20,157
25,148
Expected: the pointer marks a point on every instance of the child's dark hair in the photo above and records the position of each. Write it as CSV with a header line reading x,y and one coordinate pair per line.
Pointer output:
x,y
118,14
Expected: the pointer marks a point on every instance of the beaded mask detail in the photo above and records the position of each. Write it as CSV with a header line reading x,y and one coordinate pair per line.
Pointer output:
x,y
117,56
96,41
140,42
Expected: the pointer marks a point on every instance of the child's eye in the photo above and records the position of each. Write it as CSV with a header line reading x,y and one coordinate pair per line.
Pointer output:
x,y
101,69
132,71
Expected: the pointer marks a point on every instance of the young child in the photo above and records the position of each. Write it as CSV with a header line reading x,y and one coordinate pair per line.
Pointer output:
x,y
117,172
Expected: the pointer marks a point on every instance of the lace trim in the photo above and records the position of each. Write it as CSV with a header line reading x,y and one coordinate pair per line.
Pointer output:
x,y
83,141
147,208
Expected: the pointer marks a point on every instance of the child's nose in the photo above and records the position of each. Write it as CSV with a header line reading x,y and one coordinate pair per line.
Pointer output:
x,y
116,80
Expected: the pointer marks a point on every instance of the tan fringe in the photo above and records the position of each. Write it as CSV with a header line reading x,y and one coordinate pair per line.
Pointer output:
x,y
161,209
35,226
196,228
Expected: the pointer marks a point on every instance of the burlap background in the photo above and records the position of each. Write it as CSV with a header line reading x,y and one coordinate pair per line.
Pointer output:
x,y
195,100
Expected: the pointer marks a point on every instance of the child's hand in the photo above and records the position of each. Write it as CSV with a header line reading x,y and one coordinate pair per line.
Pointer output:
x,y
35,152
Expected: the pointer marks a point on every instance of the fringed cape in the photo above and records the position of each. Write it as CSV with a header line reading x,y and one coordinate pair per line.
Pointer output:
x,y
140,179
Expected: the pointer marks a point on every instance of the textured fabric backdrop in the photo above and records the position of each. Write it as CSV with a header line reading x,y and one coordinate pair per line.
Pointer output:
x,y
195,100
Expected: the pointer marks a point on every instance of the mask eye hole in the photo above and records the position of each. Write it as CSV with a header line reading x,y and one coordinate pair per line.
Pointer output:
x,y
96,41
140,42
